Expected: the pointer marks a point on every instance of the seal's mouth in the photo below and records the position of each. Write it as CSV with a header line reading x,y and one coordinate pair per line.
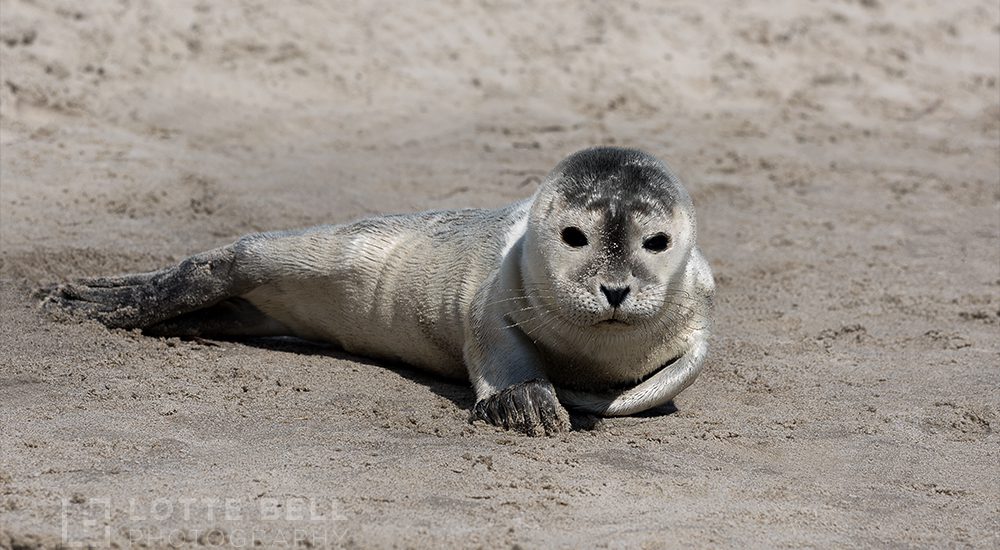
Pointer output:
x,y
612,322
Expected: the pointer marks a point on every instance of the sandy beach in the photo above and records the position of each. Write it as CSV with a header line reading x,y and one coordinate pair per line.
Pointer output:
x,y
843,157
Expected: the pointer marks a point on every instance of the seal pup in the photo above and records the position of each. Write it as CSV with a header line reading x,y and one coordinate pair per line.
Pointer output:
x,y
591,294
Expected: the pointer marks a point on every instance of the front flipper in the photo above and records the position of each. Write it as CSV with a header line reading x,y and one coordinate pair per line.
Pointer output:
x,y
529,407
657,390
504,365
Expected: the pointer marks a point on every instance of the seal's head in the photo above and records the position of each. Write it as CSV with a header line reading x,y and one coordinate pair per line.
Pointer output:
x,y
610,229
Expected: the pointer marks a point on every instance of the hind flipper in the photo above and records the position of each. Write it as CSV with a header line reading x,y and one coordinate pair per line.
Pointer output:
x,y
143,300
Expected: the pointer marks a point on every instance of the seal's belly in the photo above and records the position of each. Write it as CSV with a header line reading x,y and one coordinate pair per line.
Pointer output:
x,y
352,318
397,288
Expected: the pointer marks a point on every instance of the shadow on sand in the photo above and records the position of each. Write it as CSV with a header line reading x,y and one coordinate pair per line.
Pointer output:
x,y
455,390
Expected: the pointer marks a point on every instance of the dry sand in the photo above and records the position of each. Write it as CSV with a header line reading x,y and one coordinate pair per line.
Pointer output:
x,y
843,157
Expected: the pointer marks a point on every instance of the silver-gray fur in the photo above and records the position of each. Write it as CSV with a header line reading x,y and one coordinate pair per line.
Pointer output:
x,y
592,292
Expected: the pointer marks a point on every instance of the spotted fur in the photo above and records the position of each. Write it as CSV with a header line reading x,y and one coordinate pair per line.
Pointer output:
x,y
492,295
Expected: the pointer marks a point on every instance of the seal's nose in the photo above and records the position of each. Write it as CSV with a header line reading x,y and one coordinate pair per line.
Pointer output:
x,y
615,295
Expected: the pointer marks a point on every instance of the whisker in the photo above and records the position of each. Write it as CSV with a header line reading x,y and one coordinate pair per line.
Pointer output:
x,y
530,319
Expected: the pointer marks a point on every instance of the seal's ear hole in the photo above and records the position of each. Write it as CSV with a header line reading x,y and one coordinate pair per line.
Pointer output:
x,y
574,237
657,243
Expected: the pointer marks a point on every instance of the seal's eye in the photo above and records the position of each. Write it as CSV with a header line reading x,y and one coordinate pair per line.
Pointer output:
x,y
574,237
657,243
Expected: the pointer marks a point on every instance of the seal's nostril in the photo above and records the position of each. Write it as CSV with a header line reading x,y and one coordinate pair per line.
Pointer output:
x,y
615,296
